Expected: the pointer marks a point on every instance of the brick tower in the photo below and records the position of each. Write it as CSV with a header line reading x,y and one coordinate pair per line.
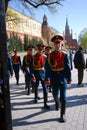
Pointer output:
x,y
68,35
44,27
72,43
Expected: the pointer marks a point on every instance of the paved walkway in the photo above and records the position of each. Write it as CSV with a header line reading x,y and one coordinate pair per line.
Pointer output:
x,y
29,116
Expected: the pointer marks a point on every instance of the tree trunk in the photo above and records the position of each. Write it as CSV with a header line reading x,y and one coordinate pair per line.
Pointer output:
x,y
5,111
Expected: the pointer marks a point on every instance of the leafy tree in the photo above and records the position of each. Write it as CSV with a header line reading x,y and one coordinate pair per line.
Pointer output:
x,y
34,41
15,42
84,41
26,41
11,16
83,38
51,4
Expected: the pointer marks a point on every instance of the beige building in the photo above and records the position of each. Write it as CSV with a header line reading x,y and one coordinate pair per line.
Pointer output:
x,y
21,24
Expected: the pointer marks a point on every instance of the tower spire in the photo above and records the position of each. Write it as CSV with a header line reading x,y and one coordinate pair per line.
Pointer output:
x,y
67,22
45,22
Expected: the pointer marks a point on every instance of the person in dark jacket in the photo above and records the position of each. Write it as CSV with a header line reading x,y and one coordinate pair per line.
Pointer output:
x,y
79,63
86,63
58,74
70,59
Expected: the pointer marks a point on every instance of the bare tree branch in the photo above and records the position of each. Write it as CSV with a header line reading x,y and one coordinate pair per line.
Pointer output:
x,y
42,2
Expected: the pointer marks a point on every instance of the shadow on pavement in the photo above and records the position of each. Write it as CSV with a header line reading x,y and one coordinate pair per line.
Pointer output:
x,y
76,100
22,121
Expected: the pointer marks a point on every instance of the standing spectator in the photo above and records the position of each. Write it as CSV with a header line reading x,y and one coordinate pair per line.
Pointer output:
x,y
38,72
26,67
79,63
59,74
70,59
86,63
16,60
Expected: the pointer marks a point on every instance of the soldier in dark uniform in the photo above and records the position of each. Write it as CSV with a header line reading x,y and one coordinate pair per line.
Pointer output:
x,y
16,60
38,73
58,73
26,67
47,52
10,66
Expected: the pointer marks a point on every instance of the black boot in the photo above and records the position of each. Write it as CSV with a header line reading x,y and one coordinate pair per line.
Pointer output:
x,y
45,101
56,105
17,80
26,87
36,97
33,88
50,89
62,116
28,93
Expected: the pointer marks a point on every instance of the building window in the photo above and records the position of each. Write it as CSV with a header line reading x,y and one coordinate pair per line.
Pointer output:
x,y
17,21
39,28
26,23
34,26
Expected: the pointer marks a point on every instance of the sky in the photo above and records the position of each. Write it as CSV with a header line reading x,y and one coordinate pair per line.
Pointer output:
x,y
74,10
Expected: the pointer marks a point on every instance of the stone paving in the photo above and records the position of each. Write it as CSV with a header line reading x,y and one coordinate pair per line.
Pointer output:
x,y
29,116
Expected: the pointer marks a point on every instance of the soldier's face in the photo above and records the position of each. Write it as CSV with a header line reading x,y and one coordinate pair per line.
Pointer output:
x,y
40,50
47,51
57,45
15,52
30,51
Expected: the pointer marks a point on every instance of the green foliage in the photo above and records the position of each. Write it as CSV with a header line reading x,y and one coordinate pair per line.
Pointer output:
x,y
15,42
11,16
28,42
34,42
83,38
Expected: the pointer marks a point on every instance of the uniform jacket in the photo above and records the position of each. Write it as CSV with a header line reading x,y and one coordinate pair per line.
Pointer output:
x,y
58,68
10,66
16,60
26,63
38,66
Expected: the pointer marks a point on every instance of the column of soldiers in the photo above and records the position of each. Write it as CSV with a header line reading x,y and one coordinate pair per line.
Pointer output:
x,y
51,69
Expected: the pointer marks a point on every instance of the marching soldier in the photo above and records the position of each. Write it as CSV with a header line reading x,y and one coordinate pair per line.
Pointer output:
x,y
10,65
16,60
38,73
26,67
58,73
47,52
